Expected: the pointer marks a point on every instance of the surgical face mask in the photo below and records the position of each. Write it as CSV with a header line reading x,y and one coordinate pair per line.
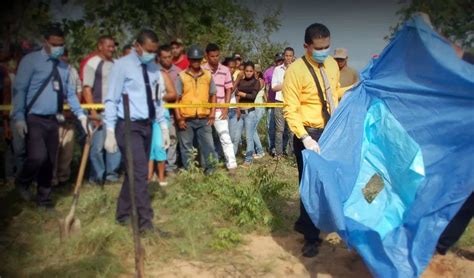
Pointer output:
x,y
146,57
56,51
320,55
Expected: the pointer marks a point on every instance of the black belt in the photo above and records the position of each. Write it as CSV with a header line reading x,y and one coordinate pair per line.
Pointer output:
x,y
46,117
142,122
195,118
246,111
313,130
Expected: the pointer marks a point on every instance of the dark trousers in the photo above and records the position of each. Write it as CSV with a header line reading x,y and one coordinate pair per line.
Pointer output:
x,y
304,225
140,136
457,226
42,141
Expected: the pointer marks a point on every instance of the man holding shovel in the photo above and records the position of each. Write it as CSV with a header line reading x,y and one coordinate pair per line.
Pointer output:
x,y
41,86
135,81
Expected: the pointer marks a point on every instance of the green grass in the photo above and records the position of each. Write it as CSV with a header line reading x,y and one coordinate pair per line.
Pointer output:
x,y
206,215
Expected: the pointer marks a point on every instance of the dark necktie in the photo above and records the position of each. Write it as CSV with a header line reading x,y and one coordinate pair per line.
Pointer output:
x,y
149,100
58,86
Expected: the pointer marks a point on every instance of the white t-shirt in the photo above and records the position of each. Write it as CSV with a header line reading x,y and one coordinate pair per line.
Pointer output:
x,y
277,79
96,76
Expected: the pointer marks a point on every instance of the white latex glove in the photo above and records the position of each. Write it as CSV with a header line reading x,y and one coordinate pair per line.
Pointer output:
x,y
311,144
21,128
85,126
165,134
110,144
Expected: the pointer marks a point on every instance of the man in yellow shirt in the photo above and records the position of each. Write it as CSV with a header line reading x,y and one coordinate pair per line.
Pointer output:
x,y
310,91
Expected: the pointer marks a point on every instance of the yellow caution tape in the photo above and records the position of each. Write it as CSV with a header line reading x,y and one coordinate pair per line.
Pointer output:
x,y
179,105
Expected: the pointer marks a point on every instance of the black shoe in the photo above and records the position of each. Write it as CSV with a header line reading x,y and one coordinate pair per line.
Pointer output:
x,y
441,250
62,187
310,249
123,222
24,193
155,232
47,207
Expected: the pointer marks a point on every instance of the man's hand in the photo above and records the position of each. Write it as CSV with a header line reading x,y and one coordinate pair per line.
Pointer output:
x,y
110,144
165,134
21,128
211,120
225,114
96,119
87,128
182,124
241,94
311,144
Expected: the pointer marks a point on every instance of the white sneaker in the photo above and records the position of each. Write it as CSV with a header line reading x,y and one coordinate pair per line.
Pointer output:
x,y
258,156
163,183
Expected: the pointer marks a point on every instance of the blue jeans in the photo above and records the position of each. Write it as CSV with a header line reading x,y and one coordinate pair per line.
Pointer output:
x,y
250,124
103,163
256,138
235,128
271,128
197,128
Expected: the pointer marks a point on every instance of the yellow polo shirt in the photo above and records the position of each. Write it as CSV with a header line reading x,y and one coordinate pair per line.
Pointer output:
x,y
302,105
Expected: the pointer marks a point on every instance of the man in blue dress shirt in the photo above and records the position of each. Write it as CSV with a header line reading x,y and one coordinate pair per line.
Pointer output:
x,y
40,88
138,76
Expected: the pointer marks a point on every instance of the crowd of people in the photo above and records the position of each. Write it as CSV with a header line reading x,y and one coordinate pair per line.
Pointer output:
x,y
231,80
40,136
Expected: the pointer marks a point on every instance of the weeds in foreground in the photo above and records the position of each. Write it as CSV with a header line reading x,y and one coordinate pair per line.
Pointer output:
x,y
207,215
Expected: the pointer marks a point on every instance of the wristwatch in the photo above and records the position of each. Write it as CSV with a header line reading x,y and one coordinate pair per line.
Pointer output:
x,y
304,137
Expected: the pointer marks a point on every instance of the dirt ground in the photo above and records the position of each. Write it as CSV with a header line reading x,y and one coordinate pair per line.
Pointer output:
x,y
267,256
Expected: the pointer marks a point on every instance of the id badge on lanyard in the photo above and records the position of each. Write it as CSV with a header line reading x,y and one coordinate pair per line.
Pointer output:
x,y
156,94
56,86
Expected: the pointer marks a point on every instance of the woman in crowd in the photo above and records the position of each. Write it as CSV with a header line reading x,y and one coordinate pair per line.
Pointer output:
x,y
247,90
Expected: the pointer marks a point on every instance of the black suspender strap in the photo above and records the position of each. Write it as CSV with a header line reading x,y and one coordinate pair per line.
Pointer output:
x,y
41,89
325,111
58,87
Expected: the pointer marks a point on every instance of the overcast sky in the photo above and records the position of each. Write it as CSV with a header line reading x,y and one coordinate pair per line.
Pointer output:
x,y
358,25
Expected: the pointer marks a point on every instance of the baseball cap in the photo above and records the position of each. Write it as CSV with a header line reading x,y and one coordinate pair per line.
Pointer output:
x,y
237,56
279,56
340,53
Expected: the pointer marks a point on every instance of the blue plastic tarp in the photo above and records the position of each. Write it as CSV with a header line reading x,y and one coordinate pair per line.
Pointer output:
x,y
410,121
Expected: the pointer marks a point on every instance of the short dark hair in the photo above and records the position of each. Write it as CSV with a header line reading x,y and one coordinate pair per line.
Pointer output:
x,y
289,49
249,64
146,34
316,31
212,47
53,30
104,38
127,46
227,60
164,48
